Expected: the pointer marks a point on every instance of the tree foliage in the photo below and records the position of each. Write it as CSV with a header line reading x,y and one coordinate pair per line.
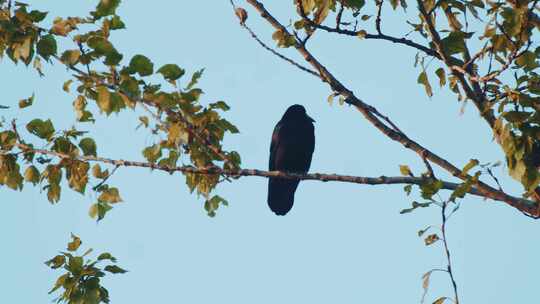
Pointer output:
x,y
81,283
483,51
188,130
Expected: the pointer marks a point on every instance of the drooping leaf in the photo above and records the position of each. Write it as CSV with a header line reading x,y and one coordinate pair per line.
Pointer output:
x,y
105,8
423,79
31,175
442,76
75,243
171,72
41,128
46,46
111,196
114,269
23,103
142,65
88,146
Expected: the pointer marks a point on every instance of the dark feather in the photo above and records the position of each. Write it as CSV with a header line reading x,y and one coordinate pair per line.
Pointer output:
x,y
291,150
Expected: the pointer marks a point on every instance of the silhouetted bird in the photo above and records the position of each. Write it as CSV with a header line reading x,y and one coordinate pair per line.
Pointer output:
x,y
293,142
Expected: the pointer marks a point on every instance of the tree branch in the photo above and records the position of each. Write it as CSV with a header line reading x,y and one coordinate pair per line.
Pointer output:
x,y
447,251
487,191
381,180
378,36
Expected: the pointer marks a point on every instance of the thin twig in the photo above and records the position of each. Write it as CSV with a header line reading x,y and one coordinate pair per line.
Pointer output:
x,y
271,50
379,4
339,15
447,251
106,178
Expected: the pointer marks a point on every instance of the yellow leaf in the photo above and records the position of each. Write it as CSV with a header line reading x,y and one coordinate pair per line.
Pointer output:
x,y
405,170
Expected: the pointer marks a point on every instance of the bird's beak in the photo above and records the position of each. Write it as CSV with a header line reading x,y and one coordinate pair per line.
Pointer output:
x,y
312,120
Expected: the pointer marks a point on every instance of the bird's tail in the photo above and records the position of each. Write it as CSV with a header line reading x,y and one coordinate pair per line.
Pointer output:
x,y
281,194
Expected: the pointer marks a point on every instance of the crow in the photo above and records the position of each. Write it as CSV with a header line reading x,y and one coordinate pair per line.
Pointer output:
x,y
293,142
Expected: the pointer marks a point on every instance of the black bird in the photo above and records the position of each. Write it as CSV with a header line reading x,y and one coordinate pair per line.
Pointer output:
x,y
293,142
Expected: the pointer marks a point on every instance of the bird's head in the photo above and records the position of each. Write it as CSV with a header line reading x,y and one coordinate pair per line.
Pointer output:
x,y
296,112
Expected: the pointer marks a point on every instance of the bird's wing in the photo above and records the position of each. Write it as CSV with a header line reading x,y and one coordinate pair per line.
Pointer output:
x,y
310,147
273,147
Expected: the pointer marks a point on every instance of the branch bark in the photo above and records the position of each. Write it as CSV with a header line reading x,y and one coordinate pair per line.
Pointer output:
x,y
381,180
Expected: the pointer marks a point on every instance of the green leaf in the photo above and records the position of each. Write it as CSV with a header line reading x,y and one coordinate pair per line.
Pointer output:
x,y
88,146
527,60
105,8
37,16
415,205
74,244
63,145
152,153
220,105
142,65
354,4
106,256
194,79
171,72
40,128
46,46
283,39
113,58
99,210
421,232
56,262
101,45
407,189
117,23
226,125
454,43
59,282
212,205
114,269
423,79
75,265
442,76
70,57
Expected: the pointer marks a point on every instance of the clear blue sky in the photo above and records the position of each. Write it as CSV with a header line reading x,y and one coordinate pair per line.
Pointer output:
x,y
341,243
